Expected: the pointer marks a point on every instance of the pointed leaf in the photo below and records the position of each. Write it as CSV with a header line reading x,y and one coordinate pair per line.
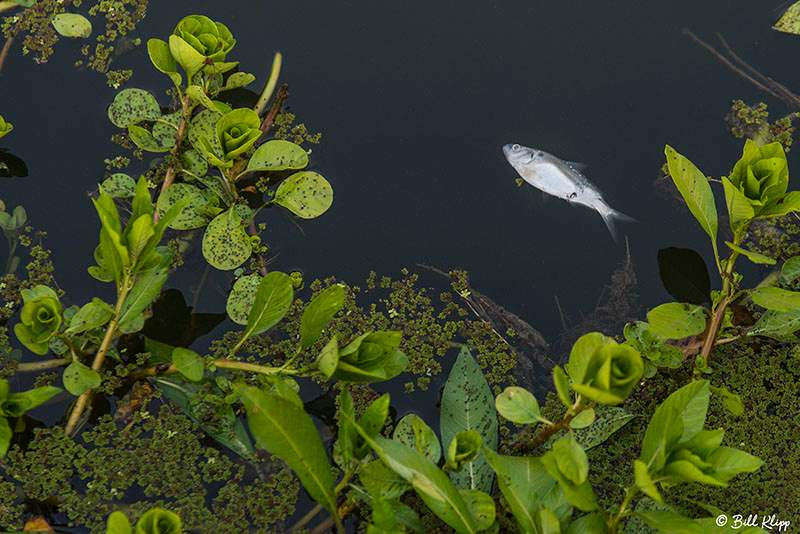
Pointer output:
x,y
775,298
188,363
319,313
675,320
278,155
695,189
273,299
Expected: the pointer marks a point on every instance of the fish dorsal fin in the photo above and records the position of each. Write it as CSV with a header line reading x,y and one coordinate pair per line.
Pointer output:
x,y
577,165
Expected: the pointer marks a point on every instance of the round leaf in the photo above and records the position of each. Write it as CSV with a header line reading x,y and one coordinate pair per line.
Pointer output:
x,y
278,155
225,244
583,419
78,379
306,194
72,25
188,363
519,406
161,57
242,297
119,185
131,106
188,218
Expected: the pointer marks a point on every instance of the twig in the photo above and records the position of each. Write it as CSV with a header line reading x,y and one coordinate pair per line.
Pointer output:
x,y
169,177
275,108
41,366
545,434
772,87
4,51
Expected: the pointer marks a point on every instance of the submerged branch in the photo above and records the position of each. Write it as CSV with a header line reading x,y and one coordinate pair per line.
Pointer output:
x,y
41,366
169,177
4,51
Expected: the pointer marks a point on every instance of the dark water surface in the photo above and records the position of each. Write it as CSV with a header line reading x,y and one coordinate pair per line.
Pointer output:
x,y
415,100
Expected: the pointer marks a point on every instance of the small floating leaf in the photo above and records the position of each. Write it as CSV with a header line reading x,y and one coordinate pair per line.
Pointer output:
x,y
188,218
238,79
164,133
242,297
278,155
131,106
72,25
225,243
119,185
203,126
306,194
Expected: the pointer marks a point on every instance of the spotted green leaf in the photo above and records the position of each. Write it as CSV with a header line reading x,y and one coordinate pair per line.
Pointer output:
x,y
144,139
188,218
696,191
775,298
225,244
467,404
413,432
306,194
119,185
78,379
790,20
278,155
72,25
238,79
203,126
131,106
241,298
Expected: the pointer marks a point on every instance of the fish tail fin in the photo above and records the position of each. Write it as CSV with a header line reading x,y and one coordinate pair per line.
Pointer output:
x,y
609,218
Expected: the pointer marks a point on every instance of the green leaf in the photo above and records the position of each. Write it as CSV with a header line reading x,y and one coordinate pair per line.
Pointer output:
x,y
288,432
467,405
381,481
195,92
204,126
676,320
413,432
588,524
238,79
278,155
695,189
186,56
188,363
463,449
549,522
306,194
346,433
91,315
608,419
188,218
72,25
328,359
159,521
790,20
273,299
584,419
319,313
146,288
731,401
518,405
15,404
775,298
644,482
78,379
139,232
430,483
481,506
119,185
561,380
777,325
161,57
241,298
5,436
670,522
739,207
788,203
226,245
755,257
791,269
678,419
131,106
581,352
118,524
371,422
145,140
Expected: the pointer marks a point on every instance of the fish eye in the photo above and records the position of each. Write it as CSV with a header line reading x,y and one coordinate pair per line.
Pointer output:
x,y
515,147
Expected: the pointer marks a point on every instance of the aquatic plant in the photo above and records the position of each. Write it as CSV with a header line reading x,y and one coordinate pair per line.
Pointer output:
x,y
755,189
5,127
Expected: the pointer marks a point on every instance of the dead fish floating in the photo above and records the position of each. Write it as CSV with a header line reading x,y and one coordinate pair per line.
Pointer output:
x,y
561,179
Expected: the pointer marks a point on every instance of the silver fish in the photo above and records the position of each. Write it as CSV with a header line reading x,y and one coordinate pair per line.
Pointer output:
x,y
561,179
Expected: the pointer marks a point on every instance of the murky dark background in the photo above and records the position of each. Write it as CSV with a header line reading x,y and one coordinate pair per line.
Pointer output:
x,y
414,101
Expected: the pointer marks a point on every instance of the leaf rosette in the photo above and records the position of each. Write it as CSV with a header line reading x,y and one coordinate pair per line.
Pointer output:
x,y
197,39
40,318
236,132
5,127
603,370
756,187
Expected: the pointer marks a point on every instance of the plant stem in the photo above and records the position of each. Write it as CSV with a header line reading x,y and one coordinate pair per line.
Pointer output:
x,y
727,298
553,428
169,176
243,366
41,366
266,94
630,493
80,404
4,51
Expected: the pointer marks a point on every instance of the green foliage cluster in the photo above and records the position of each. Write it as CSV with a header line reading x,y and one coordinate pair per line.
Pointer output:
x,y
753,122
